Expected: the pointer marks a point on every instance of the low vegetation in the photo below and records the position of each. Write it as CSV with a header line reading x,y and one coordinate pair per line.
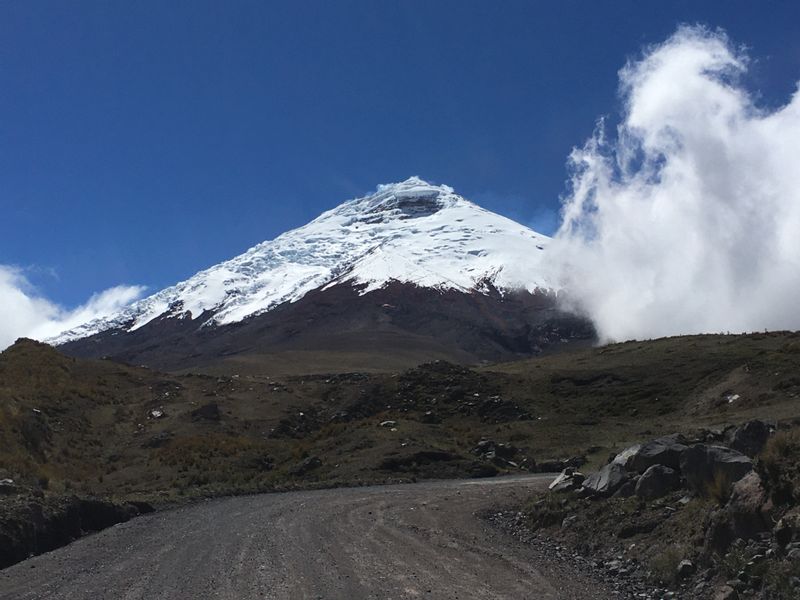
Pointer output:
x,y
97,428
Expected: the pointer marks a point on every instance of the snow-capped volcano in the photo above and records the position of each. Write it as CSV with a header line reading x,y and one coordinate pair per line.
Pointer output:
x,y
410,232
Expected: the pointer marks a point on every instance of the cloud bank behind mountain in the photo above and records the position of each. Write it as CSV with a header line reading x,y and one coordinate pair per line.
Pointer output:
x,y
26,313
686,217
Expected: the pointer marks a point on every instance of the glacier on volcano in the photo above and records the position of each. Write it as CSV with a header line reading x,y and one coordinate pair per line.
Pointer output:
x,y
412,232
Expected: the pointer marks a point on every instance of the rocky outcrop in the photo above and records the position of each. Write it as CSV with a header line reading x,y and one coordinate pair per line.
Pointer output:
x,y
664,451
735,536
745,516
657,481
607,480
751,437
712,470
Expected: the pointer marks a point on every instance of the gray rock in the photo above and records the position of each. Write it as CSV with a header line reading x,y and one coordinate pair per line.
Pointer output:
x,y
625,456
786,529
749,507
607,480
707,466
746,516
627,489
686,569
8,487
726,592
657,481
664,451
568,521
700,589
751,437
568,481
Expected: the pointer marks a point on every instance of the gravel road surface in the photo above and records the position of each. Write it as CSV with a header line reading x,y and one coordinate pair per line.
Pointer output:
x,y
419,540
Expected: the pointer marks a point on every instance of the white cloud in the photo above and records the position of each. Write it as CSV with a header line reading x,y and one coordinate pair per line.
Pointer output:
x,y
688,219
24,313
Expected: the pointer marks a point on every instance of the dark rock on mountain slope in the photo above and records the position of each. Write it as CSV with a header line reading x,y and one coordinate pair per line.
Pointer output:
x,y
399,325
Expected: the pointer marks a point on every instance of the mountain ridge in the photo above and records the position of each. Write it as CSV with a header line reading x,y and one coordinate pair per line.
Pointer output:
x,y
409,274
413,232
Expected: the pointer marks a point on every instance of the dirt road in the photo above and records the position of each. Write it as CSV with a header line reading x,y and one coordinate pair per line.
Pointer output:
x,y
392,542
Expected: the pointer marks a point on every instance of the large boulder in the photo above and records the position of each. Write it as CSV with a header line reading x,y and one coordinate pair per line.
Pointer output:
x,y
751,437
657,481
664,451
607,480
747,514
750,507
625,456
712,470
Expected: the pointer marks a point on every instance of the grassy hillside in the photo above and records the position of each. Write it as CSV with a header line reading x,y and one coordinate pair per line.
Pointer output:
x,y
98,427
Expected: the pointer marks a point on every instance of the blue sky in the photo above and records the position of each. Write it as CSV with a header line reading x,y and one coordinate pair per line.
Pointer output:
x,y
143,141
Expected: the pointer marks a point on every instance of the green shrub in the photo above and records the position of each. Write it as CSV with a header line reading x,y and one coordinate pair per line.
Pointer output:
x,y
719,488
664,566
779,466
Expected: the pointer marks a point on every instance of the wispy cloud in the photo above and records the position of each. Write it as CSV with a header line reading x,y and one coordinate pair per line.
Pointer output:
x,y
687,217
25,313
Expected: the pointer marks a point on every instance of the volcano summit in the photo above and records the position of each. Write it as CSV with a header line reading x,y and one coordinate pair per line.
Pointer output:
x,y
413,270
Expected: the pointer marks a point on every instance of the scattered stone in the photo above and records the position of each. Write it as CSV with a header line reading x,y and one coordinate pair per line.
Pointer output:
x,y
159,440
657,481
568,521
207,412
498,453
726,592
431,418
305,466
8,487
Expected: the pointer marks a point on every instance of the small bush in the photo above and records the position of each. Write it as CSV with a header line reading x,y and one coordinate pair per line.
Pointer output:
x,y
719,489
734,561
778,578
664,566
547,511
779,466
